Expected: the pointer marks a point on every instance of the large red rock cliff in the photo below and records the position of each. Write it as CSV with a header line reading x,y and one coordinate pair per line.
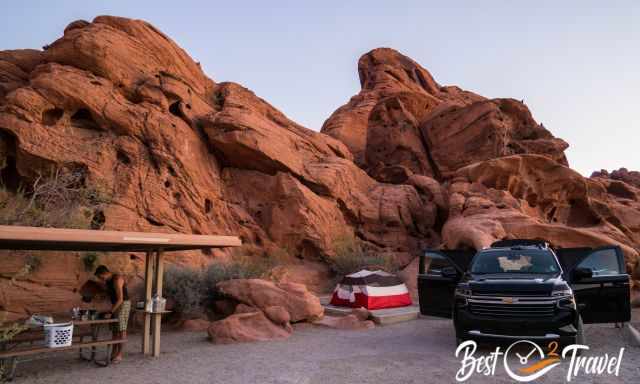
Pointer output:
x,y
405,164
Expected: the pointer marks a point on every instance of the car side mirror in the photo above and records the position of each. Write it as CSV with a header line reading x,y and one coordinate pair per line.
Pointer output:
x,y
449,272
582,273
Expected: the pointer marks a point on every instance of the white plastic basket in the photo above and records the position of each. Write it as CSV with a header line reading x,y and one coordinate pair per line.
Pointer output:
x,y
58,335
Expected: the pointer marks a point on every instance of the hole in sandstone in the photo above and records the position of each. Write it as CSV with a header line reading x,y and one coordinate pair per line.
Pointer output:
x,y
206,251
98,220
207,206
174,109
154,222
51,116
83,119
9,176
177,195
551,215
167,184
188,106
123,157
172,171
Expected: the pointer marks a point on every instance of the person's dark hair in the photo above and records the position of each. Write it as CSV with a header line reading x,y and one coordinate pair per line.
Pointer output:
x,y
102,269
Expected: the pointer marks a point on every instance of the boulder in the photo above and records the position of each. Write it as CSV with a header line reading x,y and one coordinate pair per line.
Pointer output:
x,y
245,327
298,302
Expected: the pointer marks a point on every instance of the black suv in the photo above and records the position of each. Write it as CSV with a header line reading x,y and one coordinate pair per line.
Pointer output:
x,y
522,289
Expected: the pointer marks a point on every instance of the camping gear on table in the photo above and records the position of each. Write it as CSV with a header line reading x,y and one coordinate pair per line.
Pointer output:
x,y
371,290
158,304
58,335
38,321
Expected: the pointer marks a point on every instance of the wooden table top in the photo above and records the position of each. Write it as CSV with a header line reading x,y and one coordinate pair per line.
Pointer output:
x,y
62,321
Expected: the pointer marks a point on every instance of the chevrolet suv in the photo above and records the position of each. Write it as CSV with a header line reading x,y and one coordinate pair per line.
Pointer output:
x,y
522,289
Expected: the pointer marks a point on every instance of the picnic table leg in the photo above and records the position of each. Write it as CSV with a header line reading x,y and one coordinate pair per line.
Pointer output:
x,y
8,368
94,337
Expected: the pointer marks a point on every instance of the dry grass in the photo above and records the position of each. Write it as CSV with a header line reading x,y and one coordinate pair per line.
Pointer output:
x,y
192,290
351,256
60,199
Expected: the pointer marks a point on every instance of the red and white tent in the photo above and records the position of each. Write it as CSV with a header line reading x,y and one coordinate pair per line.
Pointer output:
x,y
372,290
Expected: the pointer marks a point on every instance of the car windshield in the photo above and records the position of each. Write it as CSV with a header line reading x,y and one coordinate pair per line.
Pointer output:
x,y
515,261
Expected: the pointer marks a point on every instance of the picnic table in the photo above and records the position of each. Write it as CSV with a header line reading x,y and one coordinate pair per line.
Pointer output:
x,y
86,335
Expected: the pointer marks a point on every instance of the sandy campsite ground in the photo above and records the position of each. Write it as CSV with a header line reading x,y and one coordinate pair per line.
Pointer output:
x,y
420,351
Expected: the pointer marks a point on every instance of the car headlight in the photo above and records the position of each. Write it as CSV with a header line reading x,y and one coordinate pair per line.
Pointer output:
x,y
567,302
562,291
463,291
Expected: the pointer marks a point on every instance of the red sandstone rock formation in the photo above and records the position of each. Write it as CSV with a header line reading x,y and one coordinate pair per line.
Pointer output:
x,y
402,117
622,174
405,164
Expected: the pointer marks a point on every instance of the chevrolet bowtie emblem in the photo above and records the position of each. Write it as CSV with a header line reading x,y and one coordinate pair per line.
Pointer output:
x,y
508,300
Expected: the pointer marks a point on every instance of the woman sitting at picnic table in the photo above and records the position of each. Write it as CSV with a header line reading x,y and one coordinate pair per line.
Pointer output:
x,y
117,290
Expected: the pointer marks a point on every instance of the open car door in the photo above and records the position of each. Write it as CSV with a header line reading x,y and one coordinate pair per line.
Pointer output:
x,y
599,281
438,274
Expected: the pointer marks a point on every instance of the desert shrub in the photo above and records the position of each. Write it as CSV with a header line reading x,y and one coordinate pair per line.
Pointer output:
x,y
32,263
6,334
351,256
191,289
240,267
90,261
186,288
60,199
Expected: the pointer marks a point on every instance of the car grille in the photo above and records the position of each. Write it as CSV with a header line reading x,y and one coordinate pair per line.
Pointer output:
x,y
521,308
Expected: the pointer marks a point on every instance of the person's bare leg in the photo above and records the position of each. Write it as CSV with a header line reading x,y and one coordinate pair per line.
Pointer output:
x,y
121,336
116,347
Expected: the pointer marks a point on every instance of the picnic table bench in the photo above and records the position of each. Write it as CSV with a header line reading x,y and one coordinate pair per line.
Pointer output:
x,y
12,349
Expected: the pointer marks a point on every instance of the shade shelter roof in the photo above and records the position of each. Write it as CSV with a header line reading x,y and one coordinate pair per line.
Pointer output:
x,y
56,239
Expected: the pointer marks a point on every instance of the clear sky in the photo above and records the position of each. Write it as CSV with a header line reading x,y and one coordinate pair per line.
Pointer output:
x,y
576,64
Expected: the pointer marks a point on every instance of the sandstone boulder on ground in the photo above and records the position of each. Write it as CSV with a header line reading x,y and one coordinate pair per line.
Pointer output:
x,y
298,302
245,327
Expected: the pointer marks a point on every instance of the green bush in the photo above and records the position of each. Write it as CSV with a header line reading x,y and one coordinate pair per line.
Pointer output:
x,y
351,256
90,261
240,267
6,334
32,263
186,288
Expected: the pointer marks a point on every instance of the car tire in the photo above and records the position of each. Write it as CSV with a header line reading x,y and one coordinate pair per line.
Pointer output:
x,y
579,338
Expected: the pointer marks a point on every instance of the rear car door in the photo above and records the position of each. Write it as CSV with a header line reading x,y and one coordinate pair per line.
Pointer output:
x,y
438,274
602,297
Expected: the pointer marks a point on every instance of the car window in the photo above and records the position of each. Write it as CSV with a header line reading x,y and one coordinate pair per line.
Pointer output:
x,y
603,262
436,262
515,261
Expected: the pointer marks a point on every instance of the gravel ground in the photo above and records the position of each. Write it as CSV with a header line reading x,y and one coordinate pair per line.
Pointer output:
x,y
420,351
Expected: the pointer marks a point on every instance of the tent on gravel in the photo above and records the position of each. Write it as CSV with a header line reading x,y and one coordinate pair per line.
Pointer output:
x,y
372,290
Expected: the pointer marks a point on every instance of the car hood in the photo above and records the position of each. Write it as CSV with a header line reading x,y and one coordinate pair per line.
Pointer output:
x,y
513,284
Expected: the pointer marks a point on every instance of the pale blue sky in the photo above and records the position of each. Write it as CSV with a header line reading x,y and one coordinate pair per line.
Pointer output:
x,y
575,63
